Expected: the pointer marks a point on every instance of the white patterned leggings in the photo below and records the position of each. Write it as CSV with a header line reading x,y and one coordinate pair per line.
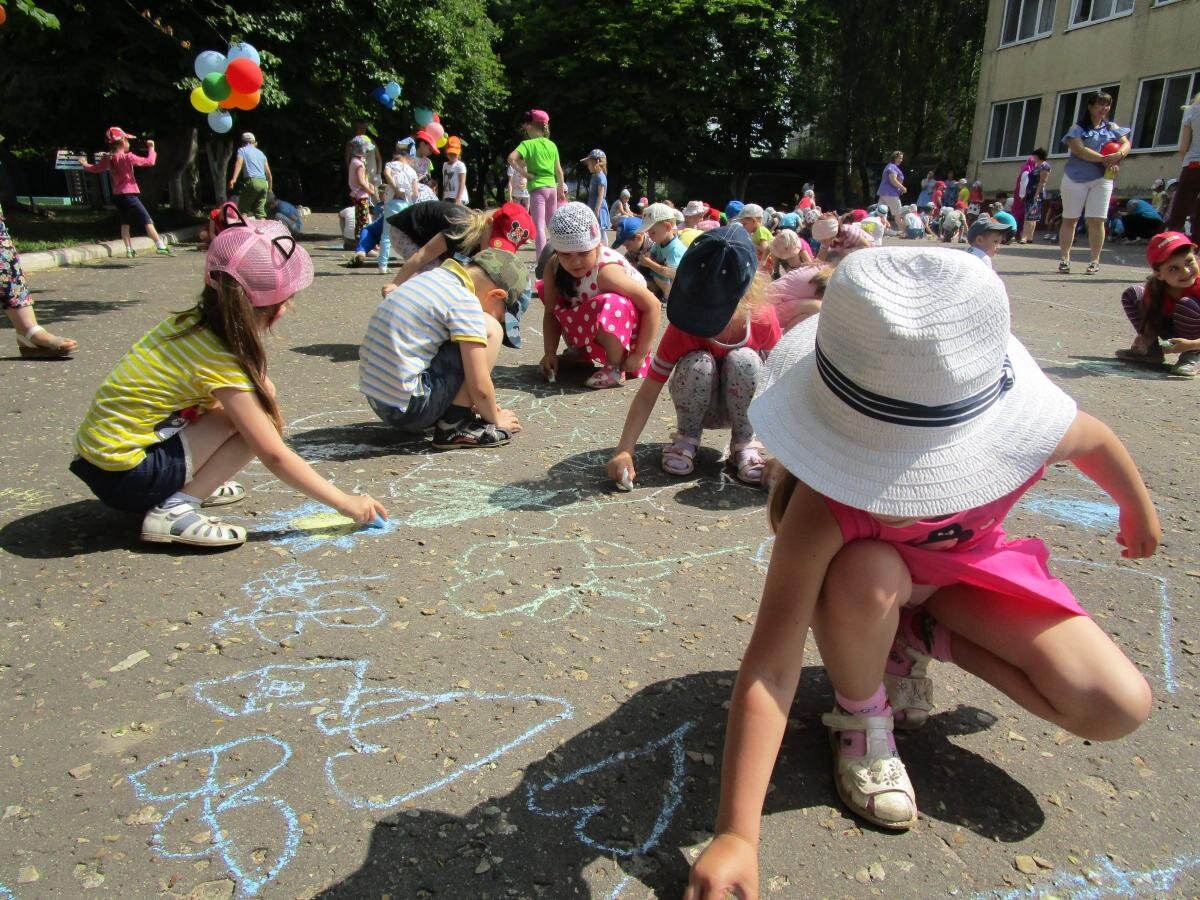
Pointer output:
x,y
712,393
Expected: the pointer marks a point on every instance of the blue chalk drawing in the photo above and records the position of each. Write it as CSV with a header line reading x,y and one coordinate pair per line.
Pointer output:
x,y
762,556
221,792
1105,879
1166,641
5,893
581,816
595,577
359,708
314,526
1092,514
286,600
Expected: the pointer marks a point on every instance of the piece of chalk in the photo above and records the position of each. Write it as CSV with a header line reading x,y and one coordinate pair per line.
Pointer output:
x,y
626,483
378,522
550,379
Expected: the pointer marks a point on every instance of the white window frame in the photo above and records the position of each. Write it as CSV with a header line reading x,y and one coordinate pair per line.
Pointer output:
x,y
1075,4
1037,36
1054,146
991,118
1137,108
1157,3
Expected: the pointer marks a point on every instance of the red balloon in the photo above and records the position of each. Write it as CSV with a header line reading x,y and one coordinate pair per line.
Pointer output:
x,y
437,118
3,15
243,75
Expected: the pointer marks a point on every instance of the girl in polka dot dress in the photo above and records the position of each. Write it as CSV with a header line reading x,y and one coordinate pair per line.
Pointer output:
x,y
595,301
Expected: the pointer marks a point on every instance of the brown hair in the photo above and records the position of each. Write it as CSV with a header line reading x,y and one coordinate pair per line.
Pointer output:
x,y
781,495
226,311
820,280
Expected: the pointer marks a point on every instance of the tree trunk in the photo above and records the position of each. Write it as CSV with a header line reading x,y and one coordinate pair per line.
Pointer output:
x,y
219,153
184,164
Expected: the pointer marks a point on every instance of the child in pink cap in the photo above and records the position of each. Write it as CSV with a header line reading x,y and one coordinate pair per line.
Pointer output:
x,y
126,196
191,404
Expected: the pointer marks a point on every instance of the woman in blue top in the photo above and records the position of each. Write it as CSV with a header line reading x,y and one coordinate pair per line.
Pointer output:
x,y
1085,189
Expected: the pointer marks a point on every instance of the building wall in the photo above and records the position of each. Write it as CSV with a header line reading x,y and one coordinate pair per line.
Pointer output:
x,y
1152,41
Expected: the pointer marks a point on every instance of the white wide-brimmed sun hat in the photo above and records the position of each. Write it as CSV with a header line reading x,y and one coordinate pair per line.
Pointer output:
x,y
907,395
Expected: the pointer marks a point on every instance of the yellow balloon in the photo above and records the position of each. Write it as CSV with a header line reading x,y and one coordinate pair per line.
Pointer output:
x,y
442,141
200,101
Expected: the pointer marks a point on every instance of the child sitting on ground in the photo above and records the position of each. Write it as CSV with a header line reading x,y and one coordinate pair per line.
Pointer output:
x,y
191,405
984,238
666,249
431,345
952,225
915,227
1165,311
721,329
788,251
595,301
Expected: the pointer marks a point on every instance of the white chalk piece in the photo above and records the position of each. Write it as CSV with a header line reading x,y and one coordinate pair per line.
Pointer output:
x,y
550,378
626,483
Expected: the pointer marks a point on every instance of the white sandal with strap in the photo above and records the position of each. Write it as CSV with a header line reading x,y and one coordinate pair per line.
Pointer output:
x,y
229,492
910,696
182,524
53,347
875,785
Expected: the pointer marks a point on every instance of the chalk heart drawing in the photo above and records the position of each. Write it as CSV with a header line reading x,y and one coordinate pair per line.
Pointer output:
x,y
255,836
592,577
1104,878
285,601
630,772
383,725
314,526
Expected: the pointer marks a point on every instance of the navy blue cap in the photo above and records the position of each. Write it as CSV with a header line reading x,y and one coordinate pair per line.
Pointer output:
x,y
627,228
713,276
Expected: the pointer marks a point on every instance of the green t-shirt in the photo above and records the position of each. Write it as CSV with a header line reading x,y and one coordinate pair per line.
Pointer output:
x,y
540,155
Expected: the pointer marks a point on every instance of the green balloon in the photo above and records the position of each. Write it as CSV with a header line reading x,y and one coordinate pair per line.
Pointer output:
x,y
215,86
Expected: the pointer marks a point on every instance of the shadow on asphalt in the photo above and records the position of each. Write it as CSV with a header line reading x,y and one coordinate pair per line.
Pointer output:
x,y
49,310
360,440
333,352
634,791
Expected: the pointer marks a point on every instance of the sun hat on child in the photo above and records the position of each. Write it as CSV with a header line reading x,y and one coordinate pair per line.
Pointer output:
x,y
540,116
628,227
825,229
785,245
908,395
262,257
512,226
732,208
454,145
982,226
425,136
655,213
573,228
1164,245
695,208
711,280
595,154
749,211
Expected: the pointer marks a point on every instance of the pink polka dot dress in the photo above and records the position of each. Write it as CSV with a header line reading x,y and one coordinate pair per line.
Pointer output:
x,y
590,312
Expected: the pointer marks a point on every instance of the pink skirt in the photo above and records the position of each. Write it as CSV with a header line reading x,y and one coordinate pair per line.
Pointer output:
x,y
612,313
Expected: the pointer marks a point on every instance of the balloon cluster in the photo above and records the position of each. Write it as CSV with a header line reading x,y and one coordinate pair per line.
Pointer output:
x,y
386,94
429,121
227,81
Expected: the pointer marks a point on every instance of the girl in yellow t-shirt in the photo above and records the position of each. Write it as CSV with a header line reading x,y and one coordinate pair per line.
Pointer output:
x,y
191,404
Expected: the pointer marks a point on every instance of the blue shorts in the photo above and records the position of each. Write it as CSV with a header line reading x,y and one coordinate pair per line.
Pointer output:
x,y
165,470
441,381
130,209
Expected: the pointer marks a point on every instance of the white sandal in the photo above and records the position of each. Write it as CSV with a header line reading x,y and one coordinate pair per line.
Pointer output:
x,y
54,347
181,524
910,696
875,785
229,492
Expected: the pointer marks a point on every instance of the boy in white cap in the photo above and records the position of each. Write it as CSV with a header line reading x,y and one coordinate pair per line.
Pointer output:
x,y
666,249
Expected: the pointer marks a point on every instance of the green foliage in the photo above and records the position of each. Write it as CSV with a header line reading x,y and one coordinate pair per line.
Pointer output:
x,y
35,12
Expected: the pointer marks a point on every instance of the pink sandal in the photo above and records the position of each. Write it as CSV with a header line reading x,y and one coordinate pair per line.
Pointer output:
x,y
678,457
605,377
747,462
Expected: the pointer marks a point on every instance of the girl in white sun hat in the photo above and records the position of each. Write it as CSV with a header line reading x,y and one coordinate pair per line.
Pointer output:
x,y
909,422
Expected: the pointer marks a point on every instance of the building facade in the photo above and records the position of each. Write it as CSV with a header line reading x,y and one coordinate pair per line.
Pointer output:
x,y
1041,57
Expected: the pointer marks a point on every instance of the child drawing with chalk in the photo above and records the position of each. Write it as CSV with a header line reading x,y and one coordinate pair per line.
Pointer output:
x,y
1165,311
909,421
190,405
721,328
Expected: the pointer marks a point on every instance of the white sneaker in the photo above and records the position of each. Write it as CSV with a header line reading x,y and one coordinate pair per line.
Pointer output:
x,y
182,524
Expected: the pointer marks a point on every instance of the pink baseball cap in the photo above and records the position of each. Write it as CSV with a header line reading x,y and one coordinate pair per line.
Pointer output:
x,y
262,257
1165,245
116,134
539,116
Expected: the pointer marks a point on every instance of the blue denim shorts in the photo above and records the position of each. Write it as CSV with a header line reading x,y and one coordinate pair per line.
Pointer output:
x,y
441,381
130,209
165,470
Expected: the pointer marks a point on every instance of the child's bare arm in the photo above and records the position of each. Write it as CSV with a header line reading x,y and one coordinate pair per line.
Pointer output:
x,y
613,279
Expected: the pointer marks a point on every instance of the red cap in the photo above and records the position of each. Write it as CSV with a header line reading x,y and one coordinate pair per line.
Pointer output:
x,y
425,136
858,215
1165,245
511,227
960,205
115,134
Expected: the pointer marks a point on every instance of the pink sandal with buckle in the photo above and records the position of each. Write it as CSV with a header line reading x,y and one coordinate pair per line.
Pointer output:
x,y
678,457
747,462
605,377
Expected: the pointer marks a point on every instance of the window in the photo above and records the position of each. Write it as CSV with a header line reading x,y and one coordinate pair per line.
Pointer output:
x,y
1089,12
1025,20
1014,128
1068,110
1160,110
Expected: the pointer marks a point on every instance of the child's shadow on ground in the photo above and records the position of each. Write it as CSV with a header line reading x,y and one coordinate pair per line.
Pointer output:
x,y
337,353
641,786
360,440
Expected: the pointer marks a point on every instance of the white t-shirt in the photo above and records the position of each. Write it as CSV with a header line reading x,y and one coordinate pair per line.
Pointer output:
x,y
403,175
454,181
520,186
1192,117
875,227
914,221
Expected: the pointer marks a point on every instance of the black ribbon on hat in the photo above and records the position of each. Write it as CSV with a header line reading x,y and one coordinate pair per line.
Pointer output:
x,y
903,412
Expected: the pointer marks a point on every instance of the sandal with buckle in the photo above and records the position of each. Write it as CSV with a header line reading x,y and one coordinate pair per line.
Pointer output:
x,y
605,377
1064,266
229,492
38,343
910,696
678,457
182,524
747,462
1092,269
874,785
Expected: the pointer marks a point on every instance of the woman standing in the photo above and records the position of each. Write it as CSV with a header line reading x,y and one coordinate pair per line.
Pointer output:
x,y
536,158
891,187
1085,189
1187,193
1027,196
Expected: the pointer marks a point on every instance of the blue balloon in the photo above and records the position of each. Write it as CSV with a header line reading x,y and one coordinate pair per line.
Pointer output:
x,y
389,103
392,89
220,121
208,62
244,50
422,116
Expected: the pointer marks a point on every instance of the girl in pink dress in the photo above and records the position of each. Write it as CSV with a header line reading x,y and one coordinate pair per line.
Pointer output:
x,y
908,421
595,301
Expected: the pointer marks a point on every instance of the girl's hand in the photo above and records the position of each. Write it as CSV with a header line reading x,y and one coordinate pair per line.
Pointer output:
x,y
729,865
549,366
632,364
150,145
387,289
362,508
620,468
1177,345
1139,532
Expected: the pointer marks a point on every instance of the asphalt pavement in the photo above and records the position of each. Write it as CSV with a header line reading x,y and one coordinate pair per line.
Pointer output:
x,y
518,687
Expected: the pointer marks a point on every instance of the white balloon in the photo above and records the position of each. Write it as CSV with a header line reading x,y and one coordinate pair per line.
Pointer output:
x,y
238,51
208,62
220,121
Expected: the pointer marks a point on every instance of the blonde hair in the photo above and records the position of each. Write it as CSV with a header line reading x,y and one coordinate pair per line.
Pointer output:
x,y
469,227
757,295
601,165
820,281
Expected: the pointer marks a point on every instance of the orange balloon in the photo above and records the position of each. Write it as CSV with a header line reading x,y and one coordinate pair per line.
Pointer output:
x,y
229,102
249,101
